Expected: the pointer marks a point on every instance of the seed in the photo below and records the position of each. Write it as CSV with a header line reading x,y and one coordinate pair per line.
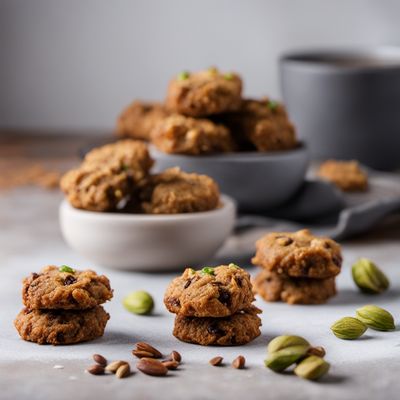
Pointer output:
x,y
175,356
216,361
96,369
112,367
318,351
99,359
170,364
150,366
141,354
123,371
239,362
142,346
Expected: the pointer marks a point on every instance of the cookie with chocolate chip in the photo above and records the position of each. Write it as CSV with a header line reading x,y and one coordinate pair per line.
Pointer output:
x,y
298,254
60,326
274,287
210,292
237,329
65,288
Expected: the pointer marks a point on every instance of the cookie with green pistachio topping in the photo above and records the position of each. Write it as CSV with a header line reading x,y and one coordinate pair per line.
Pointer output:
x,y
210,292
203,93
65,288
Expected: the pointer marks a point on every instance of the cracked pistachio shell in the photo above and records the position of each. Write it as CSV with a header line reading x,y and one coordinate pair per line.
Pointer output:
x,y
312,368
282,359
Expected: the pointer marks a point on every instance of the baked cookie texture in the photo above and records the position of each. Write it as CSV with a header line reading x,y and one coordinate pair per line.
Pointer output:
x,y
299,254
178,134
61,327
224,292
174,191
346,175
139,119
274,287
204,93
107,176
52,289
261,124
238,329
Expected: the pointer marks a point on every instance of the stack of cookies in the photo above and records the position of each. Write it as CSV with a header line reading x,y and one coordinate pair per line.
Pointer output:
x,y
297,268
62,306
204,112
213,306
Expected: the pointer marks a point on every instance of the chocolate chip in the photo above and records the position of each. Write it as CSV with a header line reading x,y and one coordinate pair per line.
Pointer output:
x,y
69,280
239,281
34,275
60,337
174,302
214,330
224,296
187,283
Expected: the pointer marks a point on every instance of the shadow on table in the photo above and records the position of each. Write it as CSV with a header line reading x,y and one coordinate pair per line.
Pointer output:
x,y
353,296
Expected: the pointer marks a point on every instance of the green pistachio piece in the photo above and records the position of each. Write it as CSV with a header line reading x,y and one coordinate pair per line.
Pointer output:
x,y
282,359
228,76
272,105
376,318
231,265
183,76
208,271
312,368
348,328
284,341
65,268
368,277
139,302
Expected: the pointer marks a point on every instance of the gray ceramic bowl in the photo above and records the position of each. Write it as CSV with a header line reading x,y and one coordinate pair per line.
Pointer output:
x,y
345,104
257,181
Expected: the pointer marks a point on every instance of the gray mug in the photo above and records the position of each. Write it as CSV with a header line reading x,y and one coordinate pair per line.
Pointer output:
x,y
346,104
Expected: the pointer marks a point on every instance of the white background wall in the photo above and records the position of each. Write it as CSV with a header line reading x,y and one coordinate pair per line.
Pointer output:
x,y
74,64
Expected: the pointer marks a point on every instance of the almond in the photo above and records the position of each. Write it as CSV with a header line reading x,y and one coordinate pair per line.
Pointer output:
x,y
142,346
113,367
175,356
123,371
141,354
150,366
170,364
216,361
96,369
99,359
239,362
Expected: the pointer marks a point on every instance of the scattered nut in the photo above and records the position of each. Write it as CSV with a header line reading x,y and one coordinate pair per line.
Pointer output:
x,y
99,359
170,364
318,351
239,362
150,366
113,367
142,346
312,368
96,369
376,318
216,361
123,371
175,356
141,354
139,302
348,328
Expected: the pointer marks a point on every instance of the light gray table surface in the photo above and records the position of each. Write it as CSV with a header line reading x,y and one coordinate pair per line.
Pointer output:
x,y
30,238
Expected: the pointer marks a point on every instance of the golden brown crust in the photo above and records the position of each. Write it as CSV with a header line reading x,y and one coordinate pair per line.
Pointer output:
x,y
139,118
274,287
174,192
204,93
52,289
223,293
61,327
107,176
261,123
298,254
346,175
178,134
238,329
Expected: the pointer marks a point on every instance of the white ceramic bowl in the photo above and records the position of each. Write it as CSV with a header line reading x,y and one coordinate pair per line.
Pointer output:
x,y
140,242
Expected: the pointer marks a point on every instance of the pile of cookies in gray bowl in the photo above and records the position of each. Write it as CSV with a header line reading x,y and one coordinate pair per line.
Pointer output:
x,y
165,194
